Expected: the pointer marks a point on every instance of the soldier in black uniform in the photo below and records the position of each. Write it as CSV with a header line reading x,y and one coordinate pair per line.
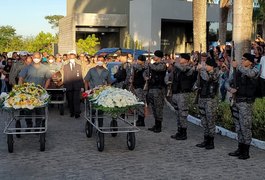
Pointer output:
x,y
209,76
183,79
243,84
155,74
138,85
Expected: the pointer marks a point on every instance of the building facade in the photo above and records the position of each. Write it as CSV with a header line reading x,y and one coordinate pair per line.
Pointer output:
x,y
165,25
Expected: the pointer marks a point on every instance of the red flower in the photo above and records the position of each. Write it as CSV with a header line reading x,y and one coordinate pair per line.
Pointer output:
x,y
84,95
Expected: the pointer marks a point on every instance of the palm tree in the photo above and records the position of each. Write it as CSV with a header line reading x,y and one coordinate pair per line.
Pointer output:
x,y
242,26
224,10
259,16
199,13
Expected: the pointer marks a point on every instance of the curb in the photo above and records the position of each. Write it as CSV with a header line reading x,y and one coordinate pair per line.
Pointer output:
x,y
220,130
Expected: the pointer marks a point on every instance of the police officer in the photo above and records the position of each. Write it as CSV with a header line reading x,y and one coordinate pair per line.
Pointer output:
x,y
138,85
243,84
183,80
208,74
123,74
155,74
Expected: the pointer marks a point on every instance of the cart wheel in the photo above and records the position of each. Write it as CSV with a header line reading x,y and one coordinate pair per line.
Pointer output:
x,y
88,129
131,140
18,125
100,141
10,143
42,142
114,124
61,109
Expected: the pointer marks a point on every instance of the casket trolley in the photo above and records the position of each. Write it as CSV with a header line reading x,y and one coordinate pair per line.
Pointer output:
x,y
126,125
13,125
58,97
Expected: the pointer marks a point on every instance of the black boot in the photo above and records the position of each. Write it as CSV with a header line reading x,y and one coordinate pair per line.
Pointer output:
x,y
181,134
140,121
245,152
203,144
210,144
177,133
156,128
236,152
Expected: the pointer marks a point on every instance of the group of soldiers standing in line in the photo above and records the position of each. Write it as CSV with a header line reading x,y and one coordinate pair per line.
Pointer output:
x,y
200,73
148,81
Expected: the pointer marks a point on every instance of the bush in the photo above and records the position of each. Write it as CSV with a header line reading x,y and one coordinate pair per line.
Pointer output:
x,y
224,116
258,128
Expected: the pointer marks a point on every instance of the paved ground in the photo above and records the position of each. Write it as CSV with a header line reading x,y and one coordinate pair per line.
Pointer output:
x,y
71,155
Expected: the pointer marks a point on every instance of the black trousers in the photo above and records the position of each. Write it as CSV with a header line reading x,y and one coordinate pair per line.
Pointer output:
x,y
73,98
38,121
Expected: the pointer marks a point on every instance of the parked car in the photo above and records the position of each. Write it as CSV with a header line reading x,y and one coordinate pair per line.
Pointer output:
x,y
112,51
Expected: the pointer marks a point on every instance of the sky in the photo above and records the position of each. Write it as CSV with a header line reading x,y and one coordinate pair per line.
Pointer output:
x,y
27,16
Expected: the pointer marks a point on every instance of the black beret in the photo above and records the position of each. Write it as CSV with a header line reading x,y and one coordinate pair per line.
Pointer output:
x,y
185,56
249,57
211,62
141,58
159,54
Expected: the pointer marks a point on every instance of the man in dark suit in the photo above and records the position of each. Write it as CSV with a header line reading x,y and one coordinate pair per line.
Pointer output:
x,y
73,82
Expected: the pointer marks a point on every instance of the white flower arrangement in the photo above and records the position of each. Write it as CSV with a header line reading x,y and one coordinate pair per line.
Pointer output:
x,y
115,97
115,101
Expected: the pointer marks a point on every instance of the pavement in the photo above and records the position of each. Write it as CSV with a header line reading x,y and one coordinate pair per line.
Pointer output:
x,y
70,154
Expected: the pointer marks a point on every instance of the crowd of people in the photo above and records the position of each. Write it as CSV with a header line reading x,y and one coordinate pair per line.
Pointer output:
x,y
153,78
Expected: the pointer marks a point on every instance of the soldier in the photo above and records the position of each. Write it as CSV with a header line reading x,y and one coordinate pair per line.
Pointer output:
x,y
183,80
243,84
208,74
138,85
155,74
123,74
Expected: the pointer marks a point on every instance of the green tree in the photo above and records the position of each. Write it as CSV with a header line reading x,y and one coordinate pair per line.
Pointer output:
x,y
87,45
42,42
259,16
199,13
7,33
242,26
16,44
224,11
54,20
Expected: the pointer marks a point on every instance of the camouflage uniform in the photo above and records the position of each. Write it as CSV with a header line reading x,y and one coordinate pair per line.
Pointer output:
x,y
207,109
180,104
208,105
183,80
156,93
245,83
138,85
